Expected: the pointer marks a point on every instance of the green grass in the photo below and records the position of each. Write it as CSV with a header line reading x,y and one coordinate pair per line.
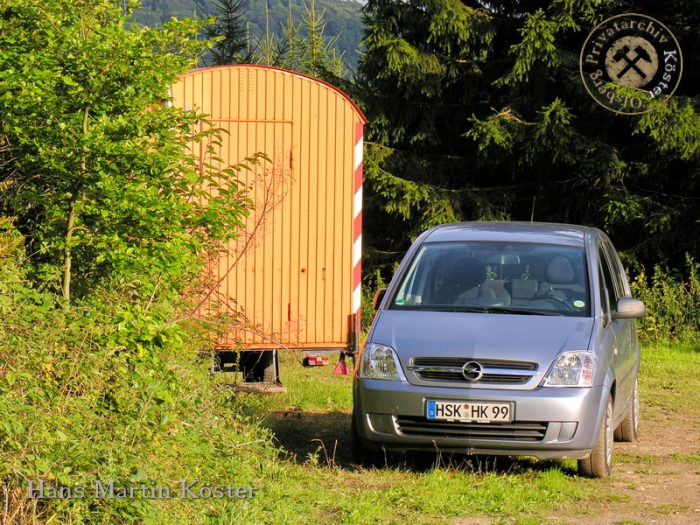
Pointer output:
x,y
639,459
308,477
314,481
317,495
669,379
687,458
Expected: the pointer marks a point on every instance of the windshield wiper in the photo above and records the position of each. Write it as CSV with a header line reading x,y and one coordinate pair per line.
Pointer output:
x,y
521,311
491,310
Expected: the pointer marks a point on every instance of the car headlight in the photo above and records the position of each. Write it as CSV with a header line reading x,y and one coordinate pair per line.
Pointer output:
x,y
380,362
572,369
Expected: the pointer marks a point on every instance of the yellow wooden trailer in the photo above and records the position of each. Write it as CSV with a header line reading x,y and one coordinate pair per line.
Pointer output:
x,y
293,275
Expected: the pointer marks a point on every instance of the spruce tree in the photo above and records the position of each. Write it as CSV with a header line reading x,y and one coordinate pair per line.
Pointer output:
x,y
477,111
233,44
319,58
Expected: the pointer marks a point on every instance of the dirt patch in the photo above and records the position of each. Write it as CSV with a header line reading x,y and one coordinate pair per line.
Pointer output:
x,y
658,476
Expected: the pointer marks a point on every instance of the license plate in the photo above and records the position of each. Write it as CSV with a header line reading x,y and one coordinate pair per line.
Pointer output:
x,y
469,411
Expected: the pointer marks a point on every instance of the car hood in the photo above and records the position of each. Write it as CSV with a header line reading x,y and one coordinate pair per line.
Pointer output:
x,y
480,335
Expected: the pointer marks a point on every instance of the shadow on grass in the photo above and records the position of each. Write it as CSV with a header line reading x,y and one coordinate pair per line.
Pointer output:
x,y
323,438
315,436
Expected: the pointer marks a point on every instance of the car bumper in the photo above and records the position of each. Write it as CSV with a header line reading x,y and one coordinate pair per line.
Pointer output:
x,y
548,422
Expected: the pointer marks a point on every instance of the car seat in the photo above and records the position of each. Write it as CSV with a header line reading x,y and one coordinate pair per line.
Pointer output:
x,y
523,290
560,280
495,289
465,282
461,279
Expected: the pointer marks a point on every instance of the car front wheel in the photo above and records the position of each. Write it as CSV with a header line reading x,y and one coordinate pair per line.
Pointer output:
x,y
599,463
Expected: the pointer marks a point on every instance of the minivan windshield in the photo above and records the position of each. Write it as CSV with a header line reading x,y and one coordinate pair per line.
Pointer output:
x,y
496,277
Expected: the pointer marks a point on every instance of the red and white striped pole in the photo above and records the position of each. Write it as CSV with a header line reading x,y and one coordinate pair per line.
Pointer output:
x,y
341,367
357,229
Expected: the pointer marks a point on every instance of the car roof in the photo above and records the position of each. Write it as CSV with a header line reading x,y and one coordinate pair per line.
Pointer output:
x,y
540,232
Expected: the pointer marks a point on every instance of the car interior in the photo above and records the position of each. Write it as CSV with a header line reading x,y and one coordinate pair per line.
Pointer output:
x,y
526,276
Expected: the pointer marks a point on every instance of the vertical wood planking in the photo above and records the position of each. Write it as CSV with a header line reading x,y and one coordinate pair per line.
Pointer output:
x,y
313,177
307,181
323,228
295,282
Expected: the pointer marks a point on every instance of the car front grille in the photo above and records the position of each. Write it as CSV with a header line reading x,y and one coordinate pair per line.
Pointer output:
x,y
516,431
495,371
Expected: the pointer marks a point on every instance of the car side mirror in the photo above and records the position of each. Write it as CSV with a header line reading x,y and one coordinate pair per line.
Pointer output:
x,y
378,296
629,308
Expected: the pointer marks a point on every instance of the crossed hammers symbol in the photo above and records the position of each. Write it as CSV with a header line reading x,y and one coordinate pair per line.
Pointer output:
x,y
641,54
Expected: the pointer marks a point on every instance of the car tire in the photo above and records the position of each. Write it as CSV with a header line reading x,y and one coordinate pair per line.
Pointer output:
x,y
599,463
362,455
628,430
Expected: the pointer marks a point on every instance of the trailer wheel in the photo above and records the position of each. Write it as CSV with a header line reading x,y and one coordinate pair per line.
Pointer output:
x,y
268,364
259,367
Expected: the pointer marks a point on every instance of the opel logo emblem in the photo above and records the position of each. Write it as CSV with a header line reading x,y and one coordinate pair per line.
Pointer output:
x,y
472,371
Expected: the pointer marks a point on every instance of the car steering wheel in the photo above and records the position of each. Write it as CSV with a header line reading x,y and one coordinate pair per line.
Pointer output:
x,y
558,300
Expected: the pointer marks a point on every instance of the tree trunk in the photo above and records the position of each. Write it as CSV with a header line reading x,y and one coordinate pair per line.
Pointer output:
x,y
67,259
70,223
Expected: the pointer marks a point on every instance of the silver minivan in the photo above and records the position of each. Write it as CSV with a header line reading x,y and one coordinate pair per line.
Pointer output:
x,y
502,338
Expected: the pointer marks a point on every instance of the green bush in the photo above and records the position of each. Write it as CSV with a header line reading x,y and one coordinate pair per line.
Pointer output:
x,y
110,390
100,369
672,302
370,285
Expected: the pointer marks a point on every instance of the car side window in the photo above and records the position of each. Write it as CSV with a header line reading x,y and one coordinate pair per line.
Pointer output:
x,y
603,292
616,269
410,292
607,291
